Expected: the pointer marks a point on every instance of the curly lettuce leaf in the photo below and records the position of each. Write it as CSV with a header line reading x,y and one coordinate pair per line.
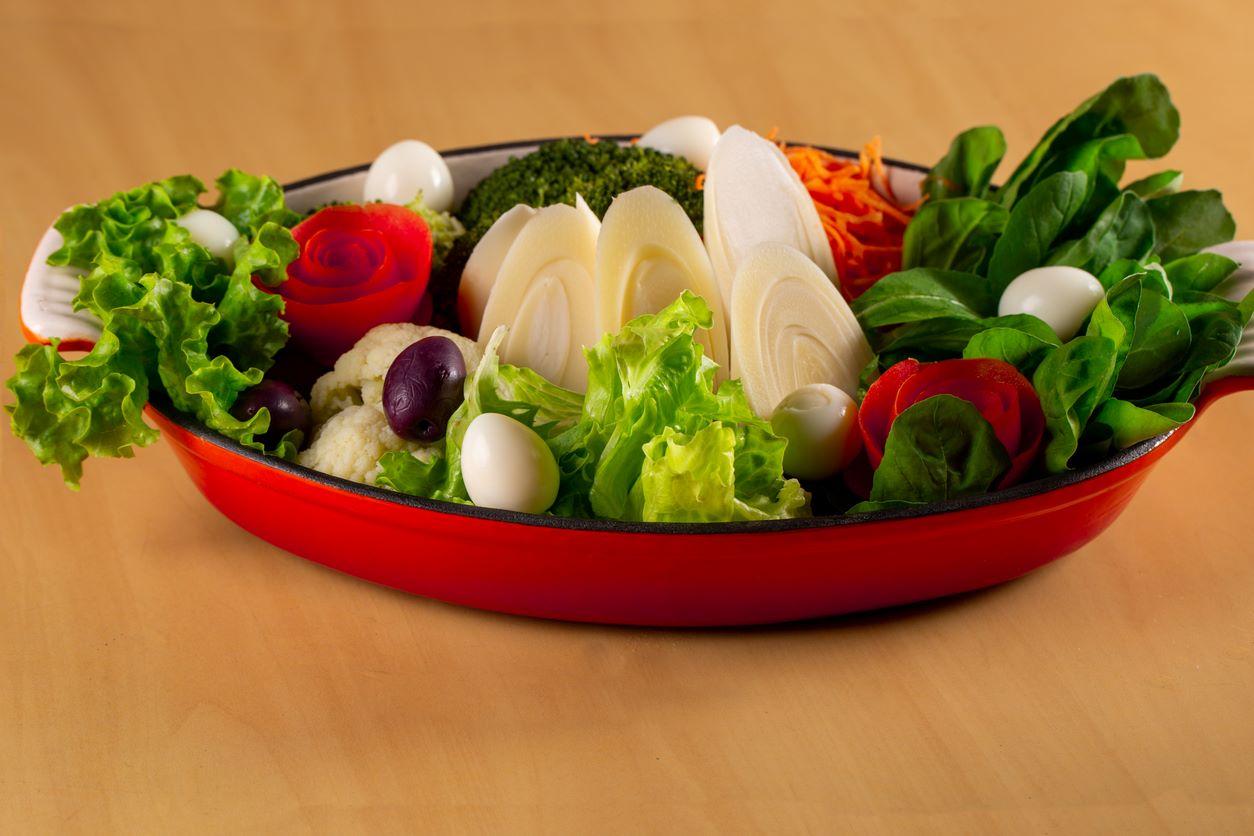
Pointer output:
x,y
69,410
127,224
173,316
249,202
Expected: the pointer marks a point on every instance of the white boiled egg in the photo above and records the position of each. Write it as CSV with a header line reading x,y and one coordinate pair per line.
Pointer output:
x,y
407,168
1061,296
690,137
211,231
506,465
820,423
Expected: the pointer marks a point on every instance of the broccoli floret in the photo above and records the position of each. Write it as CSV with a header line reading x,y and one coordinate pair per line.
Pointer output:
x,y
445,230
557,171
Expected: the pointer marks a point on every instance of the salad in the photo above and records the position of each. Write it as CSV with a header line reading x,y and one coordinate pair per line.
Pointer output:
x,y
697,325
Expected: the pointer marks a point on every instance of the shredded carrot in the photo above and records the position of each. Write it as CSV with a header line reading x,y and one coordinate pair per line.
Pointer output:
x,y
590,139
863,220
700,184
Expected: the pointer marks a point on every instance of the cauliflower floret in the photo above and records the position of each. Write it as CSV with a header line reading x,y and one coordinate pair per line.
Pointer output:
x,y
358,375
350,443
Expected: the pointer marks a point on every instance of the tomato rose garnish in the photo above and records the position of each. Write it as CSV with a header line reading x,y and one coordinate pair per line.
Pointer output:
x,y
1003,396
359,266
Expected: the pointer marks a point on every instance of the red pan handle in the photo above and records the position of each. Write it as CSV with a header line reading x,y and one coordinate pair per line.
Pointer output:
x,y
1217,389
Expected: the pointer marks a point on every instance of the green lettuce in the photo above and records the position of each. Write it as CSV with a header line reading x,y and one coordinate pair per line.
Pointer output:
x,y
174,319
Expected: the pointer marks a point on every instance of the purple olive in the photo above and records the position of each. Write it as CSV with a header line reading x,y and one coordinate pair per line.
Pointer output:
x,y
423,387
288,409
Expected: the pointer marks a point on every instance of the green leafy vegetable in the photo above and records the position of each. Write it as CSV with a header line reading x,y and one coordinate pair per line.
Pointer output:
x,y
1139,106
1150,332
127,225
1156,185
924,293
1072,382
250,202
1200,272
172,315
1035,223
1215,326
1128,424
1022,348
1190,221
954,234
940,448
1124,230
967,168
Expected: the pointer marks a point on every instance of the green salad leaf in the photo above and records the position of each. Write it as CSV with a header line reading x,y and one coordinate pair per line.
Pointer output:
x,y
1035,223
924,293
127,225
954,234
174,319
1023,347
967,168
939,448
1157,184
1202,272
1072,382
1138,106
250,202
1124,230
1190,221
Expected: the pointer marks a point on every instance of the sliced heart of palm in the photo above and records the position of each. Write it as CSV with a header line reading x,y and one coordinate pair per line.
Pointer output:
x,y
753,196
790,327
484,265
648,253
545,294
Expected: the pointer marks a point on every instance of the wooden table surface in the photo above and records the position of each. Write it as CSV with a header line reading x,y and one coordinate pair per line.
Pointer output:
x,y
163,671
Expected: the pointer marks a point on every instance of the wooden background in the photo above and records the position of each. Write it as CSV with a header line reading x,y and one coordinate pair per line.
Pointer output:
x,y
162,671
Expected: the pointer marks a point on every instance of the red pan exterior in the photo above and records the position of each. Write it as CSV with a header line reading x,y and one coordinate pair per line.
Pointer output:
x,y
665,579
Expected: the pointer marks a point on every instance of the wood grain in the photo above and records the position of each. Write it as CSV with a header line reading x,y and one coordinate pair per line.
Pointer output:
x,y
162,671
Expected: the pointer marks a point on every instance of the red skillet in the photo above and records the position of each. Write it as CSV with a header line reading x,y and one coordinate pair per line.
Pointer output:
x,y
648,574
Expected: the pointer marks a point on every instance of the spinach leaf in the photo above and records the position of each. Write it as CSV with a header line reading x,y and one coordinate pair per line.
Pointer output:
x,y
1157,185
1126,423
948,337
921,294
1157,332
1072,382
1034,224
1123,230
1190,221
967,167
1200,272
940,448
1022,348
1216,326
954,234
932,339
1138,105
